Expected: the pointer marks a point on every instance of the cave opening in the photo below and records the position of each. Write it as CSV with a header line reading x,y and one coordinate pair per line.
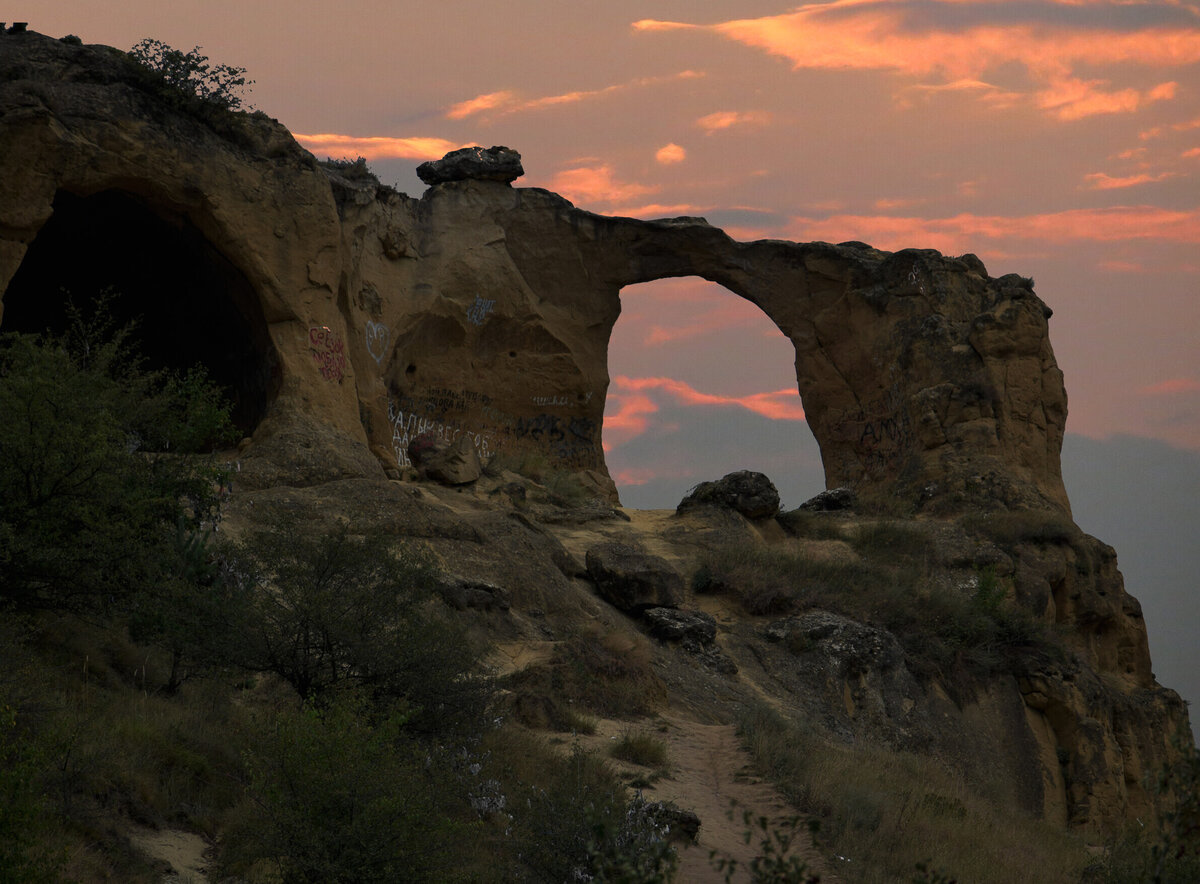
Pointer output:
x,y
189,303
702,383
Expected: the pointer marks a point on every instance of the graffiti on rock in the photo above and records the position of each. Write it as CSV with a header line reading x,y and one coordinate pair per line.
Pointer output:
x,y
328,351
478,312
377,336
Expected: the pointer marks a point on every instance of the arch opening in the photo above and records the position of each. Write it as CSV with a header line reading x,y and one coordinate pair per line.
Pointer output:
x,y
191,305
702,383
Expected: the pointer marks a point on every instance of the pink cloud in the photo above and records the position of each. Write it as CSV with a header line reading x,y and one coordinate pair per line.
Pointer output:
x,y
1173,386
507,102
905,38
964,232
633,405
480,103
1100,181
719,120
596,184
377,147
669,154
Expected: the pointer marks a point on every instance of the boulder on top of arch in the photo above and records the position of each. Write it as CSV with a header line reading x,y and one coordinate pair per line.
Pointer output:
x,y
483,310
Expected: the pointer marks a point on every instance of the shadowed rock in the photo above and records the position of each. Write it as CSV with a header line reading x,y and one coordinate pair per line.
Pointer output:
x,y
631,580
749,493
480,164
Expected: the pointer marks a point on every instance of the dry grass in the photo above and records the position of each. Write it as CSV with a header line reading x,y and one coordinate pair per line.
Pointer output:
x,y
887,811
641,748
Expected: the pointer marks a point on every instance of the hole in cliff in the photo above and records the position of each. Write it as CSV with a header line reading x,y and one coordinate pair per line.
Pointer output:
x,y
191,305
702,384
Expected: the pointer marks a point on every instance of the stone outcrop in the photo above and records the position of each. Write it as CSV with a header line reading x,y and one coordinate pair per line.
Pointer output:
x,y
749,493
473,163
484,311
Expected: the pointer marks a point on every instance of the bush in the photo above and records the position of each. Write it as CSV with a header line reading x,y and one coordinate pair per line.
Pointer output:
x,y
188,76
338,793
89,501
340,611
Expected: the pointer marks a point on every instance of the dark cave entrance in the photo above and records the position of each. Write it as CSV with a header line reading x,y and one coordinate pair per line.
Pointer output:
x,y
191,305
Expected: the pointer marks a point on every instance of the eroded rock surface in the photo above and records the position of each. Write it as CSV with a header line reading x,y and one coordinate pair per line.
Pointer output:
x,y
483,311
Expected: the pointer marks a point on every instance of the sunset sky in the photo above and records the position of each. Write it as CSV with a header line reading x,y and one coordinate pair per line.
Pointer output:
x,y
1058,140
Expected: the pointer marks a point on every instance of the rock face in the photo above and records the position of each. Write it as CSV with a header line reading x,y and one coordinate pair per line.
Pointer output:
x,y
484,312
348,320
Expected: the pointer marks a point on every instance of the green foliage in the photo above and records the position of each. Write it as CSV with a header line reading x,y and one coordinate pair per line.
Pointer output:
x,y
188,77
637,850
336,611
1045,527
24,859
340,794
88,503
775,862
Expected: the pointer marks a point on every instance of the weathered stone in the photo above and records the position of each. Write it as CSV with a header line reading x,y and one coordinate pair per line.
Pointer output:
x,y
831,500
632,580
454,464
473,163
850,647
749,493
461,593
672,624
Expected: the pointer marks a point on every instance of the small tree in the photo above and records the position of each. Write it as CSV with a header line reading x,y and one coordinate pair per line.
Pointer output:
x,y
189,74
337,611
89,503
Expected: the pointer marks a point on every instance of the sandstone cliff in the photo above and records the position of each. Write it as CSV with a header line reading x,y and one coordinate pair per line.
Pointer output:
x,y
347,319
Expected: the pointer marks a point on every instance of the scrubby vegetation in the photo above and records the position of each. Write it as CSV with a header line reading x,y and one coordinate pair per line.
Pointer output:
x,y
886,812
882,574
188,78
302,695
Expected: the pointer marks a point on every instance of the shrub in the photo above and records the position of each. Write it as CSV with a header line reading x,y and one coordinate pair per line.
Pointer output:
x,y
89,503
188,76
338,793
342,611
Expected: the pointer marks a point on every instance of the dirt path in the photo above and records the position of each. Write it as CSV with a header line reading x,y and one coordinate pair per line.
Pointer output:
x,y
184,852
710,775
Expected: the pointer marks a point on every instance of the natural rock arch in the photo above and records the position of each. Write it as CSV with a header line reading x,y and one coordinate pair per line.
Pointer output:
x,y
483,310
672,336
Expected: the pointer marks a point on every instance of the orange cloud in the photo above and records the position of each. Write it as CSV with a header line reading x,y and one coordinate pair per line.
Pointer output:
x,y
1173,387
669,154
1194,153
1100,181
962,233
596,184
507,102
480,103
377,147
719,120
1051,41
778,404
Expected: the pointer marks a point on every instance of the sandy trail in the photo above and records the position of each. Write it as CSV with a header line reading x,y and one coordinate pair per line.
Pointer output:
x,y
710,775
184,852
